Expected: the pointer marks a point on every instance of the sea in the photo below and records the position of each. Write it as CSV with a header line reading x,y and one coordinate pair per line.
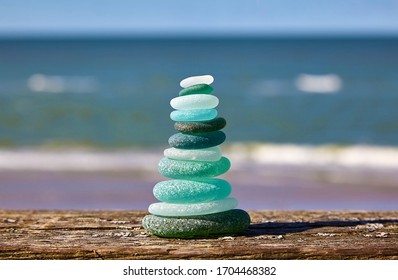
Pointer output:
x,y
312,123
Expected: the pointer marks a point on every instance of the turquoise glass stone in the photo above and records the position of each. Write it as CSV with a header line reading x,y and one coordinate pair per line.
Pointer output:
x,y
207,154
194,101
186,169
197,141
200,127
192,209
197,89
193,115
234,221
192,191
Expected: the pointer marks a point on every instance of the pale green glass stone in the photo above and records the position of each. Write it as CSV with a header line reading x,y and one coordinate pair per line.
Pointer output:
x,y
191,191
194,209
186,169
195,80
207,154
194,101
193,115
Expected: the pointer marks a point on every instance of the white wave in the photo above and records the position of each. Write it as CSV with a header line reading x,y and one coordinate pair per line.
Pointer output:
x,y
241,155
357,156
60,84
78,160
329,83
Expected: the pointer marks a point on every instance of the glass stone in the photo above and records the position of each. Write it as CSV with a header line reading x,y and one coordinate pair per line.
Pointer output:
x,y
234,221
197,89
207,154
197,141
192,209
200,127
186,169
195,80
194,101
191,191
193,115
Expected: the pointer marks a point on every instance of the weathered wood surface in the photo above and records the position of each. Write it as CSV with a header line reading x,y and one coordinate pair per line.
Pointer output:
x,y
272,235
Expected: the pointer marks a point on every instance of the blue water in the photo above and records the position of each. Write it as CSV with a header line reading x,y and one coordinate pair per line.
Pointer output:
x,y
116,92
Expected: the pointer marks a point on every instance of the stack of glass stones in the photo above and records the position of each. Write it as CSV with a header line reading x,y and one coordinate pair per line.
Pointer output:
x,y
193,203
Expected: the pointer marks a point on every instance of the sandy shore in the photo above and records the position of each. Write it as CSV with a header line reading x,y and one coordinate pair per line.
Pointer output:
x,y
262,177
268,188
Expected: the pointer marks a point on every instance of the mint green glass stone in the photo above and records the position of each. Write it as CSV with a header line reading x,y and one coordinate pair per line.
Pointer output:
x,y
193,115
193,209
207,154
194,101
234,221
197,89
185,169
191,191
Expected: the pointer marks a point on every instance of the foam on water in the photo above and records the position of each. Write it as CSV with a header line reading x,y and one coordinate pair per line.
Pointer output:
x,y
355,156
60,84
265,176
330,83
351,157
77,160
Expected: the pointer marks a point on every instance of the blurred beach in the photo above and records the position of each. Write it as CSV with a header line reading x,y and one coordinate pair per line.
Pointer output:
x,y
311,122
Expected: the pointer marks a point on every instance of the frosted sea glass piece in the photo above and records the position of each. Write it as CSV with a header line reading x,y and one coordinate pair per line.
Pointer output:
x,y
194,101
186,169
193,115
197,89
194,209
197,141
207,154
194,80
234,221
191,191
200,127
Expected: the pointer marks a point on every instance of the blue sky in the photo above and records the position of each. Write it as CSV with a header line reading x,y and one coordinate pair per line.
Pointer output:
x,y
206,17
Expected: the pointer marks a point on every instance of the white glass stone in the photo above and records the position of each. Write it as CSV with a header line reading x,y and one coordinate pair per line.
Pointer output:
x,y
194,101
195,80
194,209
207,154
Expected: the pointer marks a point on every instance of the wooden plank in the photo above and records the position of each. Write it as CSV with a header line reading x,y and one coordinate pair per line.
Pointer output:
x,y
272,235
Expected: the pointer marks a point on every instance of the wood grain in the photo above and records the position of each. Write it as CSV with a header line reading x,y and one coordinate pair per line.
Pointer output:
x,y
38,234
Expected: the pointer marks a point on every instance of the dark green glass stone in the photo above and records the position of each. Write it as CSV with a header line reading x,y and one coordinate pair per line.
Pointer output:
x,y
201,127
197,141
223,223
197,89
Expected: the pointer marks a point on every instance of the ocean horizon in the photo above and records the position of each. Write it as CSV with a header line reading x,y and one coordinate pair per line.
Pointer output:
x,y
101,92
